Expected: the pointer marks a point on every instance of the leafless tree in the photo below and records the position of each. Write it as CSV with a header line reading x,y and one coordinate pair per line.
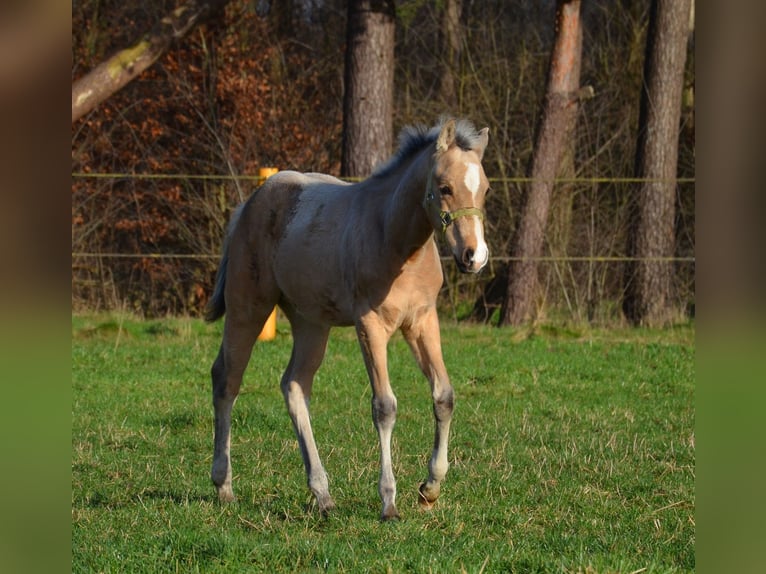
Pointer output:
x,y
553,137
369,86
452,42
648,297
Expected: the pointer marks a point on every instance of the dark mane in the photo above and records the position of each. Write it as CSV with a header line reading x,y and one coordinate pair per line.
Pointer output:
x,y
413,139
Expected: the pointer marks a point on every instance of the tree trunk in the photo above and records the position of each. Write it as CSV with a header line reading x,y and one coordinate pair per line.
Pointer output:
x,y
554,134
648,298
283,17
452,43
114,73
369,86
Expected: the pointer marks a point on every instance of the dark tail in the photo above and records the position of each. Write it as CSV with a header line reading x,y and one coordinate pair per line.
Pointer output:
x,y
216,306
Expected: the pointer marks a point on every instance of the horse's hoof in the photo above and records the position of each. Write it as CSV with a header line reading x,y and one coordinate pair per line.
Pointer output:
x,y
326,507
226,495
390,514
427,498
425,505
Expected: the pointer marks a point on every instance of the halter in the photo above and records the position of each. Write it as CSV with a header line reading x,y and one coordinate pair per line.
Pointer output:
x,y
447,218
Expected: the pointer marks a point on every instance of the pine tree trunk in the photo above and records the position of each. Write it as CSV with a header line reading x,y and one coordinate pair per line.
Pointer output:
x,y
648,298
554,135
114,73
451,42
369,86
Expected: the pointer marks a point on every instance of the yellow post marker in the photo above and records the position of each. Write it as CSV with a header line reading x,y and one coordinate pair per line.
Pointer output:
x,y
265,173
269,331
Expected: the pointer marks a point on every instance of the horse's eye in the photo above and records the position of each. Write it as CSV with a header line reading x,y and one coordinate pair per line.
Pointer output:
x,y
445,190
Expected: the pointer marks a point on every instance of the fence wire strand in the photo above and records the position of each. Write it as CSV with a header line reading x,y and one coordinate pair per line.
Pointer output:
x,y
258,178
504,259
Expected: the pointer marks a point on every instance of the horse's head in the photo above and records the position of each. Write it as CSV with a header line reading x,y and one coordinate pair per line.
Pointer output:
x,y
455,194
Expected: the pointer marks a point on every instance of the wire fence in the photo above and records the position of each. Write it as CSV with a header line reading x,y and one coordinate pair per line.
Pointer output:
x,y
112,276
501,258
495,180
258,178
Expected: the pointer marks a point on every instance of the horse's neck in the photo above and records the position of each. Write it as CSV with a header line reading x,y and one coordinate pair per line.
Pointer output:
x,y
407,225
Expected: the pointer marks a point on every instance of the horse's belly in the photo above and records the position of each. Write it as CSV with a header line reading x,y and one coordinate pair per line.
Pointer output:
x,y
311,287
319,307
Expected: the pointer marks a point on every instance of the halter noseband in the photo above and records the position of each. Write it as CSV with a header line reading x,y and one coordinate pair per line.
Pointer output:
x,y
447,218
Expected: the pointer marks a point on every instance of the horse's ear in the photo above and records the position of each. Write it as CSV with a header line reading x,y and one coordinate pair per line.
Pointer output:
x,y
481,142
446,136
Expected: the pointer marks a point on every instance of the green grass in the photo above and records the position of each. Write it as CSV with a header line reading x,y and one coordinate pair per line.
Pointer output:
x,y
572,451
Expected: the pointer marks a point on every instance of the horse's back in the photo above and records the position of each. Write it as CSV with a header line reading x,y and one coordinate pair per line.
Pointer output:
x,y
272,207
290,179
314,177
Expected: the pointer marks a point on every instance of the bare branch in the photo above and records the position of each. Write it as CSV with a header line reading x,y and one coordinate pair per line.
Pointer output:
x,y
115,72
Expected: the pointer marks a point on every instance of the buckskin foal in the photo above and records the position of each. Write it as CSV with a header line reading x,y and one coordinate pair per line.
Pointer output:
x,y
331,253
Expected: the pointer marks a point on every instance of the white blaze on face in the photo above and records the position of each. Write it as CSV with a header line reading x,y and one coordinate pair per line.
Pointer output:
x,y
481,255
471,178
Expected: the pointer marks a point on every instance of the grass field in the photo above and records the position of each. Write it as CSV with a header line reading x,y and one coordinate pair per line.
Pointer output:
x,y
571,451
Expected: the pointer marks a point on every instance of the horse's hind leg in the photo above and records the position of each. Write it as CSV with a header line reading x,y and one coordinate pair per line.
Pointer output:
x,y
425,341
238,340
309,345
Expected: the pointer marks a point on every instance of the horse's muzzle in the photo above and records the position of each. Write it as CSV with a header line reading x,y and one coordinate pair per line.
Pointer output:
x,y
469,263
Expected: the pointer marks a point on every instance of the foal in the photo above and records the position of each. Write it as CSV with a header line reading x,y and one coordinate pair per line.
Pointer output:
x,y
331,253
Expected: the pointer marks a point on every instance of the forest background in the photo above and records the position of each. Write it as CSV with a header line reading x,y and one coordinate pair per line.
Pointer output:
x,y
159,166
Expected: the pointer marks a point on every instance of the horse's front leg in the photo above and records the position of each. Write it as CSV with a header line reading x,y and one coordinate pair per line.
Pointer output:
x,y
424,339
373,338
